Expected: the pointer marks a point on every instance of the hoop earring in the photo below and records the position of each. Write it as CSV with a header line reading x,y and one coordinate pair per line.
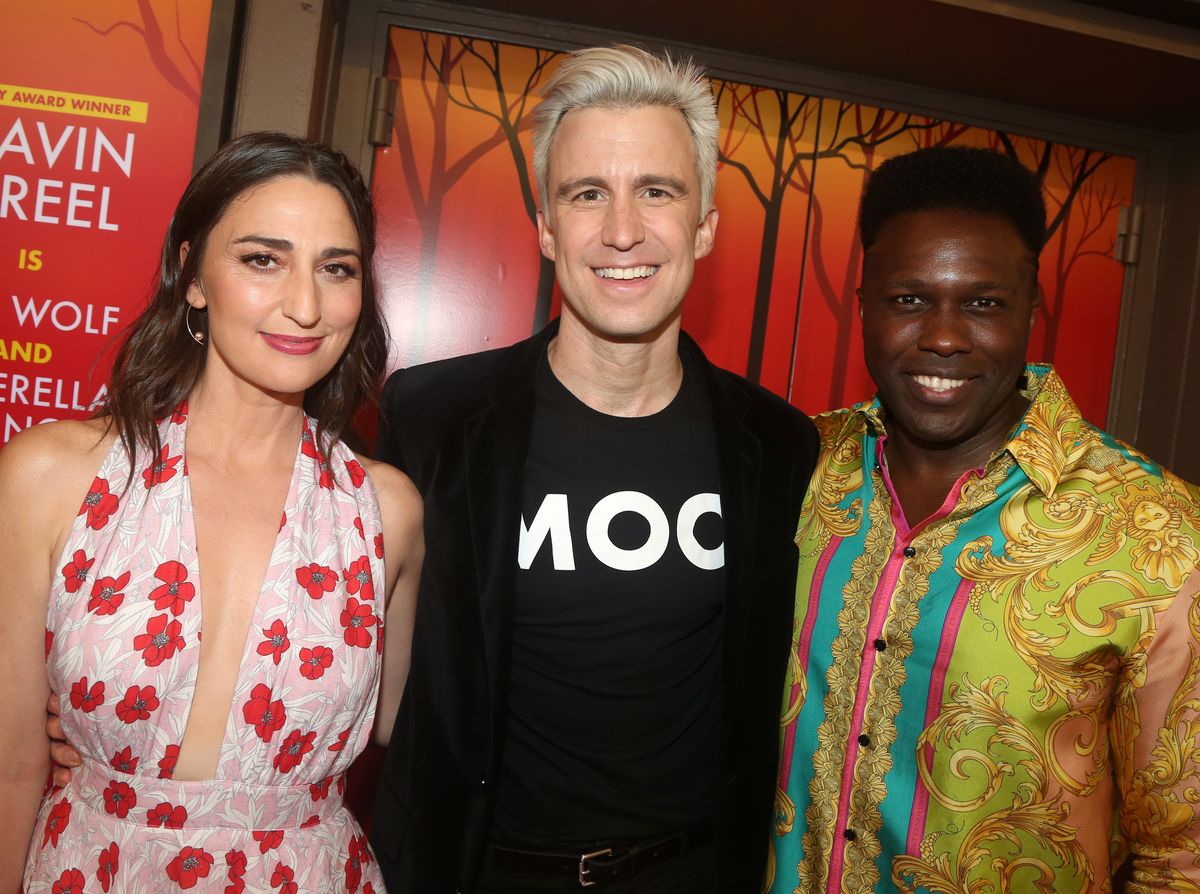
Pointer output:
x,y
197,337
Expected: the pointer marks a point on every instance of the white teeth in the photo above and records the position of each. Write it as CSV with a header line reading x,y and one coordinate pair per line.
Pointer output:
x,y
625,272
937,383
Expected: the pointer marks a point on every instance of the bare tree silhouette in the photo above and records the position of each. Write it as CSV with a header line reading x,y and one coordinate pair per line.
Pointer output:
x,y
779,119
1080,213
1083,164
440,57
509,108
187,83
857,136
1092,209
790,141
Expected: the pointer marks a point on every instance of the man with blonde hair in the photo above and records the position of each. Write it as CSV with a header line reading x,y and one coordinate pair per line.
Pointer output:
x,y
604,610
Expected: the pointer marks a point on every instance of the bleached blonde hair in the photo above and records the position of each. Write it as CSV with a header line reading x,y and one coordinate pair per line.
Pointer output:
x,y
627,77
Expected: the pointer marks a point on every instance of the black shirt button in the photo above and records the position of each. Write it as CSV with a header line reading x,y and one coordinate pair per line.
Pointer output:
x,y
851,835
910,552
864,740
880,645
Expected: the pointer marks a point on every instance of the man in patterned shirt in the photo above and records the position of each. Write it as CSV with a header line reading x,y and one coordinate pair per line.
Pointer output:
x,y
995,682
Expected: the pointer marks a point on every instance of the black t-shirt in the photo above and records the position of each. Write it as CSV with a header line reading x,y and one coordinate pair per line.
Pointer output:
x,y
614,711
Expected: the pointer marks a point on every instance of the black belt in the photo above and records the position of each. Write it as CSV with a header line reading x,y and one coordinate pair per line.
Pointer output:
x,y
603,862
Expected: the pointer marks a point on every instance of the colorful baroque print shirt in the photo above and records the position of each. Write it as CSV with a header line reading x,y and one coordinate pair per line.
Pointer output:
x,y
1005,696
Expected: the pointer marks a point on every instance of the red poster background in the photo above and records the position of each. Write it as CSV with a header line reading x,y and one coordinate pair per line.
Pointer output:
x,y
92,281
775,300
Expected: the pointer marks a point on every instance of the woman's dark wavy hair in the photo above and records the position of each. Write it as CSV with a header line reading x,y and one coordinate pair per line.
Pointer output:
x,y
159,363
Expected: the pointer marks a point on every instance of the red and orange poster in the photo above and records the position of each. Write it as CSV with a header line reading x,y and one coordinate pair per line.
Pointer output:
x,y
98,107
775,300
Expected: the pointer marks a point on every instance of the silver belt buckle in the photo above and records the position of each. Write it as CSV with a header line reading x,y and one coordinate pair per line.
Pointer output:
x,y
584,871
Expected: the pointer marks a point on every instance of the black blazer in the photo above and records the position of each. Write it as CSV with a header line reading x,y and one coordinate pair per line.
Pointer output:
x,y
460,428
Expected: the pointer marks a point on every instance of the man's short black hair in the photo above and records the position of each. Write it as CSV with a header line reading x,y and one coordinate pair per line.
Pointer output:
x,y
954,177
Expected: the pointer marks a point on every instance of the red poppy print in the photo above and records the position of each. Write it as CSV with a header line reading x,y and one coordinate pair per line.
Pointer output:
x,y
106,594
276,642
75,572
308,446
160,642
359,857
358,579
357,619
137,704
354,864
99,504
87,699
167,816
379,546
236,861
190,866
59,819
343,736
179,414
358,526
119,799
317,580
70,882
357,474
268,840
175,592
283,878
162,469
368,888
282,521
108,863
166,766
314,662
320,790
266,715
124,761
292,751
49,641
313,820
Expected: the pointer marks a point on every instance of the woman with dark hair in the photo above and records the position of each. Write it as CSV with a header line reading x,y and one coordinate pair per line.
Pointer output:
x,y
211,613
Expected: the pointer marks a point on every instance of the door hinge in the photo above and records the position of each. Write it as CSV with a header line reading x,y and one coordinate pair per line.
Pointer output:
x,y
1129,235
383,111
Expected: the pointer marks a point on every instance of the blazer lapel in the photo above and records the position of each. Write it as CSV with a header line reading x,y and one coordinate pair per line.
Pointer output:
x,y
739,459
496,449
497,446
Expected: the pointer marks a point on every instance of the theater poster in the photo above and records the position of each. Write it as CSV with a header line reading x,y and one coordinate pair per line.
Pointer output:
x,y
98,109
775,300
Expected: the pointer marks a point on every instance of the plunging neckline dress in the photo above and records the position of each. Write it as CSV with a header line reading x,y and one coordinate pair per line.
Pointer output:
x,y
123,633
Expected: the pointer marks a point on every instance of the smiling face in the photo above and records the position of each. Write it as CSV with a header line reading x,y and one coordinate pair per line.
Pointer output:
x,y
947,303
624,225
281,281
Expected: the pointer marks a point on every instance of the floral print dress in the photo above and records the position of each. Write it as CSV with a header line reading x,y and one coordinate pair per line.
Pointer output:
x,y
122,649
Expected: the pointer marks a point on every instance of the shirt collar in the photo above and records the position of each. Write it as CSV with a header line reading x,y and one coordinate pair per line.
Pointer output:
x,y
1049,441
